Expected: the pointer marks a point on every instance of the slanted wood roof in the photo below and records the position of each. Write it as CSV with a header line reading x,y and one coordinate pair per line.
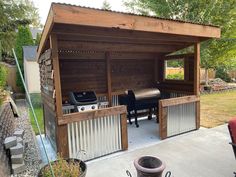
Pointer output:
x,y
93,29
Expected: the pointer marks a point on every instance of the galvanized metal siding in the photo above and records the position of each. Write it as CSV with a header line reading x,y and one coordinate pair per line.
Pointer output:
x,y
181,118
89,139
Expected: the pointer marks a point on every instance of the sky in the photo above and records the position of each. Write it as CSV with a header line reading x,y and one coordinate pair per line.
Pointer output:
x,y
44,5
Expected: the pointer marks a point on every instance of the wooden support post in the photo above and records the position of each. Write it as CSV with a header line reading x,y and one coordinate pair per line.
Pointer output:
x,y
197,107
56,78
186,69
196,69
61,131
197,81
124,134
108,67
44,120
62,141
155,70
162,121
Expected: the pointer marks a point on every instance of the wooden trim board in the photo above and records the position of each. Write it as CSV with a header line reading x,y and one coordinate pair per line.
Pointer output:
x,y
178,101
93,114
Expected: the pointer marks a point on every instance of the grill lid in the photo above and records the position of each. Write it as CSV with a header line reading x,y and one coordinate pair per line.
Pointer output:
x,y
147,93
82,98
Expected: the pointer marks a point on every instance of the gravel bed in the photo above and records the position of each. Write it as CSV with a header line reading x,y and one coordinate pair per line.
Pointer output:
x,y
31,157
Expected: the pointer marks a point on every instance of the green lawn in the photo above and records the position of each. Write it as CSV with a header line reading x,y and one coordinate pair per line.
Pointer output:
x,y
39,114
217,108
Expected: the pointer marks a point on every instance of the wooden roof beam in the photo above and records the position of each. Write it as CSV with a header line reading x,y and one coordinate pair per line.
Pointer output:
x,y
45,34
76,15
102,46
122,34
113,39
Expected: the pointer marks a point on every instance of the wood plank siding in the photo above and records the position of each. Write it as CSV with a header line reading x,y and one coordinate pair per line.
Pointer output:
x,y
81,74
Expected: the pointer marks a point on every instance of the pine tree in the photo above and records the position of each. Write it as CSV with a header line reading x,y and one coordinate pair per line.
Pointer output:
x,y
37,40
23,38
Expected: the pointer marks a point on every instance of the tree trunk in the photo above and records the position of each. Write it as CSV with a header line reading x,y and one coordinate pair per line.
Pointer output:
x,y
206,76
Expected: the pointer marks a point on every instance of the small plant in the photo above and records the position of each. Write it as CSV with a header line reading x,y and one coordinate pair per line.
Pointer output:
x,y
3,95
3,76
3,81
176,76
63,168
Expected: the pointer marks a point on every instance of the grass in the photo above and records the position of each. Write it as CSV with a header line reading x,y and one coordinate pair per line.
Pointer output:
x,y
39,114
217,108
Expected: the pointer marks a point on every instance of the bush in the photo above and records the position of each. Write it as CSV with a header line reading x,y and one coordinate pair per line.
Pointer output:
x,y
3,81
177,76
3,95
222,73
3,76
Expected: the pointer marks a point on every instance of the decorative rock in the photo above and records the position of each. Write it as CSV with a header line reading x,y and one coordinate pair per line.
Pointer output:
x,y
17,159
18,149
19,133
19,140
10,142
17,168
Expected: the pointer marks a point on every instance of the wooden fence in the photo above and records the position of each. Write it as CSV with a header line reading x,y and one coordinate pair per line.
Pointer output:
x,y
11,76
211,72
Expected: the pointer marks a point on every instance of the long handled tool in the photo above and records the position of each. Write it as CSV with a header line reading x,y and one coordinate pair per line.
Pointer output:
x,y
32,108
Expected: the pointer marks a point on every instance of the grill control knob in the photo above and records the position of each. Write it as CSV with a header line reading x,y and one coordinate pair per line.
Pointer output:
x,y
93,107
82,109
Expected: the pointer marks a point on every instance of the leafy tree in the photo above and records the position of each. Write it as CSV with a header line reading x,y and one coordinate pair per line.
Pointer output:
x,y
24,38
37,40
214,53
106,5
12,14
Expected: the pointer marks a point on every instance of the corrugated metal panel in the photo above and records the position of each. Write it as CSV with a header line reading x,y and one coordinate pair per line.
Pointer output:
x,y
181,118
175,95
97,137
115,101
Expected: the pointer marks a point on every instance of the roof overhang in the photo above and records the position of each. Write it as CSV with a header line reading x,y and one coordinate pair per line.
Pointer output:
x,y
64,18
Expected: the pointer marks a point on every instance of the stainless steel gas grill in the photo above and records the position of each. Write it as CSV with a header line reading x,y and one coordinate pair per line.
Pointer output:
x,y
140,100
83,101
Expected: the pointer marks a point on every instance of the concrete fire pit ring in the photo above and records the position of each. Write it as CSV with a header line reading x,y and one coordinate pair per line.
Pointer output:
x,y
149,166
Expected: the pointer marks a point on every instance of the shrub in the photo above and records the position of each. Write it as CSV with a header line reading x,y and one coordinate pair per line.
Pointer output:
x,y
3,81
3,95
222,73
3,76
177,76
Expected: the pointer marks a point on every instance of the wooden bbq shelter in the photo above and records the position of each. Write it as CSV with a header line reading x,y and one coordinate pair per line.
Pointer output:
x,y
108,52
